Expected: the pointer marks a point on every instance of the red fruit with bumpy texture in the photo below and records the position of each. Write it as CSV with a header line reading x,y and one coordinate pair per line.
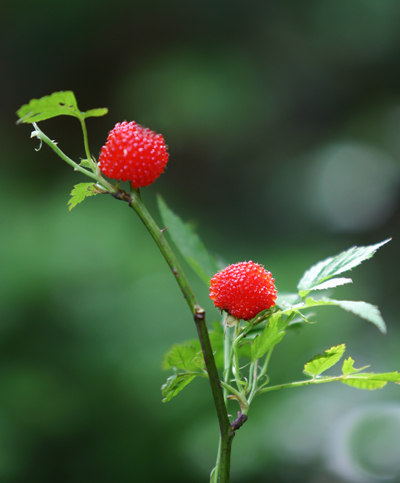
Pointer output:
x,y
243,289
133,153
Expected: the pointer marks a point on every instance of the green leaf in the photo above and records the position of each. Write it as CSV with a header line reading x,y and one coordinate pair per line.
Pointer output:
x,y
348,367
322,362
362,309
174,385
365,311
285,300
213,475
272,334
189,355
57,104
179,356
101,111
85,163
333,266
189,244
254,333
371,381
217,328
80,192
332,283
217,344
364,383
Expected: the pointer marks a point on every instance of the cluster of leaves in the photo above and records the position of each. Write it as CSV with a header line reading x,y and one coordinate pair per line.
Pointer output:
x,y
187,362
64,103
321,277
350,375
267,329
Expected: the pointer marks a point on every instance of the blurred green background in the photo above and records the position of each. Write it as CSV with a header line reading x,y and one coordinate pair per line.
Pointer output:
x,y
282,120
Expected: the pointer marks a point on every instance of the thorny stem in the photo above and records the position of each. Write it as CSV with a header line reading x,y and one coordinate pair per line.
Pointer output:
x,y
227,375
97,177
226,430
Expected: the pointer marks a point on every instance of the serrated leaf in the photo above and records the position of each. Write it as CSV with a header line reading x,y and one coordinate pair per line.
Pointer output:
x,y
61,103
101,111
57,104
365,311
348,367
271,335
198,361
364,383
333,266
80,192
333,282
188,243
362,309
179,356
322,362
174,385
371,381
383,376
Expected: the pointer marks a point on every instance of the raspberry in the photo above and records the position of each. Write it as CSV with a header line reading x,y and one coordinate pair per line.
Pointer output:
x,y
133,153
243,289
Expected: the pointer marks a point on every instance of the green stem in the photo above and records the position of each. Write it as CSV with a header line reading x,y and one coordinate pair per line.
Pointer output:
x,y
253,379
136,203
227,375
217,464
266,362
98,178
320,380
198,313
85,140
227,357
239,396
235,356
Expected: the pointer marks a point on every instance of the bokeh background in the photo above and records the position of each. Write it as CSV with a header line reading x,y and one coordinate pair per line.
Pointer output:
x,y
283,121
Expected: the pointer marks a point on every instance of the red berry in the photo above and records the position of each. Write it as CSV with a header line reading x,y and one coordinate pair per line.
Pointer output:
x,y
243,289
133,153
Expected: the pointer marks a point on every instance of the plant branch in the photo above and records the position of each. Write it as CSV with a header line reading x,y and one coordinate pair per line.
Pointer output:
x,y
241,399
235,355
227,433
319,380
253,379
85,140
98,178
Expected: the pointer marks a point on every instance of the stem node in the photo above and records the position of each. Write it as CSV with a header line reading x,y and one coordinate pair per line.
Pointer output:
x,y
238,423
121,195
